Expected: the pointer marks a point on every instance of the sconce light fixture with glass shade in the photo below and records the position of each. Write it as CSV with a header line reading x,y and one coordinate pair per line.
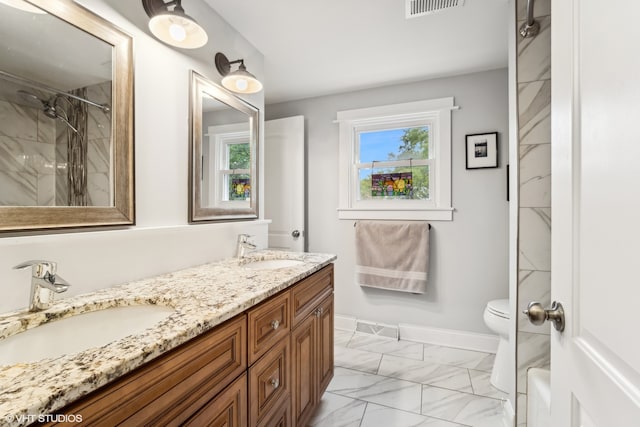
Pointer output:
x,y
239,81
22,5
174,26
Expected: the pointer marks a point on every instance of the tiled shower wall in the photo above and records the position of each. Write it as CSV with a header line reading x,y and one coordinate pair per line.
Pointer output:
x,y
534,258
27,160
33,154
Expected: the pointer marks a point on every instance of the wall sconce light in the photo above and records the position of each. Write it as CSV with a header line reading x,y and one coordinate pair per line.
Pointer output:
x,y
239,81
174,27
22,5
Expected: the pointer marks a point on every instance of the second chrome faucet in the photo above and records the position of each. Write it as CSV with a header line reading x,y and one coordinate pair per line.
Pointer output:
x,y
45,283
245,245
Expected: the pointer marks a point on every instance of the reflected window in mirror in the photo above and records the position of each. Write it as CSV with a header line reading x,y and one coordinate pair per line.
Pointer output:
x,y
226,157
224,148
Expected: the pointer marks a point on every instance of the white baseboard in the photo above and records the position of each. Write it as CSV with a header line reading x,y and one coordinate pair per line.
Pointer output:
x,y
450,338
345,323
427,335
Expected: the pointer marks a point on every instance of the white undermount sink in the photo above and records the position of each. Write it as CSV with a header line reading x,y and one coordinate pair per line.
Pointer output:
x,y
80,332
272,264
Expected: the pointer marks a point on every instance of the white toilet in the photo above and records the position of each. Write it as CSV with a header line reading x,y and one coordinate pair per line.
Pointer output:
x,y
496,316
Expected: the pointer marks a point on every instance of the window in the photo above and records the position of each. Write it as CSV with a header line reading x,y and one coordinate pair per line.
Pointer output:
x,y
226,166
235,170
395,161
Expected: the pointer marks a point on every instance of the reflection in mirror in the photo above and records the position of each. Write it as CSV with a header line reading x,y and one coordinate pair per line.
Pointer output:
x,y
63,90
224,139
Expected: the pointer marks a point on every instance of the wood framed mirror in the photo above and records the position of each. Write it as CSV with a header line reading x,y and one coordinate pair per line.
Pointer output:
x,y
223,156
66,118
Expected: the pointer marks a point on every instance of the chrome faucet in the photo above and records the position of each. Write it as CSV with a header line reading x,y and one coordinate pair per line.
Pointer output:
x,y
44,283
244,245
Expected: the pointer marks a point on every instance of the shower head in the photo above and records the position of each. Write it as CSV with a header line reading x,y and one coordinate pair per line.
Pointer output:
x,y
49,107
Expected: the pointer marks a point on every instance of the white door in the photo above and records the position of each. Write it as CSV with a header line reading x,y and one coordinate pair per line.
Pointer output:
x,y
595,363
284,176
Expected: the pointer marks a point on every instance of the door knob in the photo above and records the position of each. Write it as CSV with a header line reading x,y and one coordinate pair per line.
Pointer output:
x,y
538,315
295,234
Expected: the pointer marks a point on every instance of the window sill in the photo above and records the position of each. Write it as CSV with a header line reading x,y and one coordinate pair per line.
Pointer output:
x,y
434,214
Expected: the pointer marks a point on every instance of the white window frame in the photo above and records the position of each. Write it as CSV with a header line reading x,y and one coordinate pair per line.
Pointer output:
x,y
436,114
220,138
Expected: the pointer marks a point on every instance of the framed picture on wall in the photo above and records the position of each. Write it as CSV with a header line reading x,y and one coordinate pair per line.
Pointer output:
x,y
482,150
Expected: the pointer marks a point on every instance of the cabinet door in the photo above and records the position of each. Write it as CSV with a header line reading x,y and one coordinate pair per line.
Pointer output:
x,y
325,345
281,417
303,355
228,409
269,382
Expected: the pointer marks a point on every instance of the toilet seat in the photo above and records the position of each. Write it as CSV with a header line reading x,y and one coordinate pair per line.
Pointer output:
x,y
499,307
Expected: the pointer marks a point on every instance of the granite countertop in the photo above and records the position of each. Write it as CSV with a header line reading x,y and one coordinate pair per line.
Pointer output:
x,y
203,297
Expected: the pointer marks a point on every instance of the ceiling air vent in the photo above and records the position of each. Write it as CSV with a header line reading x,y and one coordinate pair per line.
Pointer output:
x,y
417,8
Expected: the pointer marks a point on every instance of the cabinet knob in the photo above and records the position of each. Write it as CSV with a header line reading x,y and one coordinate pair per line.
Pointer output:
x,y
275,324
275,383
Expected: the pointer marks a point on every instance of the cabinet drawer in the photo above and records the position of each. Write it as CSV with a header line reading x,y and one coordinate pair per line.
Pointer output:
x,y
269,382
168,390
309,292
268,323
229,409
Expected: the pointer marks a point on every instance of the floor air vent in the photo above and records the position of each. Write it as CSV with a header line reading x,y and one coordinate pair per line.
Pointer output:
x,y
417,8
379,329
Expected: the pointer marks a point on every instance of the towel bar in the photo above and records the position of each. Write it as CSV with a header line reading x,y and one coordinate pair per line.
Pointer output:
x,y
356,223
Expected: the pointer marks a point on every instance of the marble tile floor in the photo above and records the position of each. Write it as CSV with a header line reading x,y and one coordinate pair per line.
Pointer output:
x,y
381,382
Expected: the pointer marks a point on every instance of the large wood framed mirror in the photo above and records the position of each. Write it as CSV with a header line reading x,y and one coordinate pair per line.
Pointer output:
x,y
224,150
66,118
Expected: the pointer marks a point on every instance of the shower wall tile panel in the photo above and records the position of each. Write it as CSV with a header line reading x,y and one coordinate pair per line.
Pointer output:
x,y
521,419
46,190
534,54
534,112
99,155
46,128
533,286
98,189
18,189
99,122
534,153
534,351
541,8
27,157
18,121
535,175
535,239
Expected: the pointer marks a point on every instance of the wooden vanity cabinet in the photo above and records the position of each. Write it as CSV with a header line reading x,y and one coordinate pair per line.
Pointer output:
x,y
266,367
312,343
170,389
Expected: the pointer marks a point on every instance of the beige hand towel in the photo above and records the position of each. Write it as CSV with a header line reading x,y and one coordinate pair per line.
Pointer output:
x,y
392,255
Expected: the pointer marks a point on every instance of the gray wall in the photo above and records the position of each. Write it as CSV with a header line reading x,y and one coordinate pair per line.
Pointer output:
x,y
469,255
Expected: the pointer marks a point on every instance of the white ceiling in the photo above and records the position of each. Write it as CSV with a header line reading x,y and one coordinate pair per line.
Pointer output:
x,y
314,48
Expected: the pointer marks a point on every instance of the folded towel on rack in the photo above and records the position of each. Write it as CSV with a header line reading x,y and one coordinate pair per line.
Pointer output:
x,y
392,255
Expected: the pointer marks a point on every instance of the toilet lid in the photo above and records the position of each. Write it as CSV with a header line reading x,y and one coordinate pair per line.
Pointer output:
x,y
499,307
